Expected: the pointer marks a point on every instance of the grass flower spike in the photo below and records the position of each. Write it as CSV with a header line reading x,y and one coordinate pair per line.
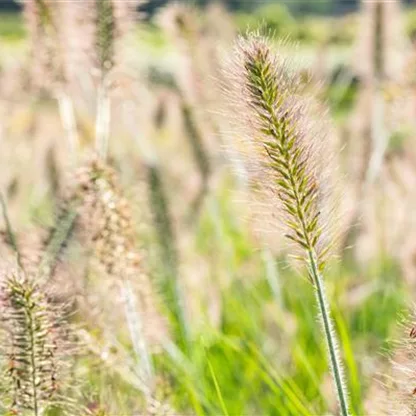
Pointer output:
x,y
35,346
111,21
287,145
111,239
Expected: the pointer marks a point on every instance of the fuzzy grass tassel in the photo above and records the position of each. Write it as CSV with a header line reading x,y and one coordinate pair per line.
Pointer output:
x,y
105,222
111,20
285,143
36,346
107,216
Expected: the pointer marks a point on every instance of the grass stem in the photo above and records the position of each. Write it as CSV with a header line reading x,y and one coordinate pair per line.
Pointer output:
x,y
330,335
103,117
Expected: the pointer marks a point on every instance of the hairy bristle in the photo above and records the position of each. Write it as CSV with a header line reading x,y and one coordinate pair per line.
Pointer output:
x,y
399,387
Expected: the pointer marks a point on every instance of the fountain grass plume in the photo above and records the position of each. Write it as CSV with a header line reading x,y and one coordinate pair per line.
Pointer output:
x,y
95,214
285,144
111,237
294,155
37,346
107,215
111,21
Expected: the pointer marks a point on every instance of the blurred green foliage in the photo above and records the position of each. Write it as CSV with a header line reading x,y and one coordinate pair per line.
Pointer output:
x,y
278,19
11,27
411,22
274,346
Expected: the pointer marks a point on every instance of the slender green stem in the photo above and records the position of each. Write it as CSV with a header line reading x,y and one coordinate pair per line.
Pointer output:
x,y
330,335
67,114
168,251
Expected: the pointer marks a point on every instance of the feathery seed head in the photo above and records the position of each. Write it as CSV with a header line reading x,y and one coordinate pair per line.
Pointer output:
x,y
97,30
110,237
270,97
105,34
36,345
111,20
109,217
286,143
